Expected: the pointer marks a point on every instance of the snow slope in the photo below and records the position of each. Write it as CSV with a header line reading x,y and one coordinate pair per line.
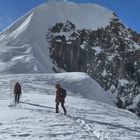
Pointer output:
x,y
24,42
35,117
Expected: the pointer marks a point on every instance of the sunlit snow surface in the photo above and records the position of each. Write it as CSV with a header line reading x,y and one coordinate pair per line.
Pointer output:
x,y
87,119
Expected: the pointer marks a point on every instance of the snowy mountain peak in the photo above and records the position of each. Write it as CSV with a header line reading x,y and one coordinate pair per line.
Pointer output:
x,y
24,42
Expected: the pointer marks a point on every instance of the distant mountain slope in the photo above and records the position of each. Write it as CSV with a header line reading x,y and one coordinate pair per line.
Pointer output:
x,y
24,44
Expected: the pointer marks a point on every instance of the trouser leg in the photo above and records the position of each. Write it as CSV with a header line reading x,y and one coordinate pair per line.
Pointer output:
x,y
18,97
64,109
15,98
57,107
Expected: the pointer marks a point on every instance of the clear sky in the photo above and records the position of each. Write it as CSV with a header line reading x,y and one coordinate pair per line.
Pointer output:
x,y
127,10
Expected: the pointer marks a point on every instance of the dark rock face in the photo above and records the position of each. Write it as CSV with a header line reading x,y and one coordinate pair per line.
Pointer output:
x,y
110,55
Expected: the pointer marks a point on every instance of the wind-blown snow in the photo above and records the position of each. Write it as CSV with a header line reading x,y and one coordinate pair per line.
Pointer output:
x,y
31,29
35,117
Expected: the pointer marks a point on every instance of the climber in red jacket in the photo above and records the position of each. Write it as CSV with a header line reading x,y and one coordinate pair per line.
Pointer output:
x,y
60,98
17,92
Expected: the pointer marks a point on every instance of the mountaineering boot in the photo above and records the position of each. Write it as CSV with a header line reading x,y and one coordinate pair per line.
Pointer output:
x,y
56,112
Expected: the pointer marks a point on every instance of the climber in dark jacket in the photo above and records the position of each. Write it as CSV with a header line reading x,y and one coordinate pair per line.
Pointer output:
x,y
17,92
59,99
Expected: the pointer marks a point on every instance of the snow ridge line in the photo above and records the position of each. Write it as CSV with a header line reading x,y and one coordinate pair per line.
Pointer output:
x,y
83,125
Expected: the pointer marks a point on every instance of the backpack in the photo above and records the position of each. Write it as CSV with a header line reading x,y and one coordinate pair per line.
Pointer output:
x,y
63,92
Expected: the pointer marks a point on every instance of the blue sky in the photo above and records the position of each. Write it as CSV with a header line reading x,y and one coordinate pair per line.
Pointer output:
x,y
127,10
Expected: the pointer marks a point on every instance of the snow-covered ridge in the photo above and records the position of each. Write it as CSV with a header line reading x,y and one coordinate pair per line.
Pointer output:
x,y
35,117
78,83
88,16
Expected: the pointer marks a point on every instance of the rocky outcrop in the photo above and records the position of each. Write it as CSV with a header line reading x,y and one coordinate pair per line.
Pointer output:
x,y
110,55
